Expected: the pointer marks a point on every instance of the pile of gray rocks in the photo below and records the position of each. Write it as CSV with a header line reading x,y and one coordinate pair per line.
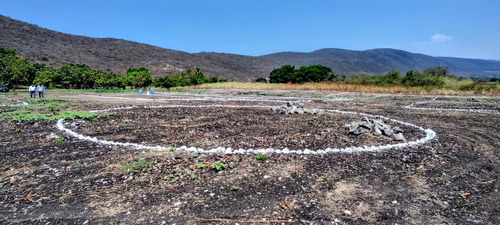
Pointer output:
x,y
292,107
375,126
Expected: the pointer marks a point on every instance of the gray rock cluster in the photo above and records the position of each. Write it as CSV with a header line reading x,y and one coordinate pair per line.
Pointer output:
x,y
291,108
377,127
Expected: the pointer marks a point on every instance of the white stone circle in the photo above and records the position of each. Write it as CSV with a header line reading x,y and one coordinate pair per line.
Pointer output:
x,y
483,111
429,135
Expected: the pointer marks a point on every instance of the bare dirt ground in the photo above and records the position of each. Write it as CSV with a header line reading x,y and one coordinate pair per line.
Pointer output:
x,y
453,179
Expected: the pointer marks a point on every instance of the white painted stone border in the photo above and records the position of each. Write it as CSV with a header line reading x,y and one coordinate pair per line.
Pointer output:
x,y
484,111
20,103
15,105
222,99
429,135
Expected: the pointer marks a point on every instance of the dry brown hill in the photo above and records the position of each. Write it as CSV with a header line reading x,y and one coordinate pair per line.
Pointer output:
x,y
108,54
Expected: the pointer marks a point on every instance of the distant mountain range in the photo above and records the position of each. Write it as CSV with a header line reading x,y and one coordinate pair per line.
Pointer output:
x,y
109,54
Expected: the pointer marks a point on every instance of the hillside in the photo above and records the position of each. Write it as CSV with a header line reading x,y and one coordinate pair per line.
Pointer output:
x,y
377,61
108,54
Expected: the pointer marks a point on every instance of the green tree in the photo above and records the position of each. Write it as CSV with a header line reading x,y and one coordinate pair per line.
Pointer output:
x,y
13,70
314,73
282,75
139,77
436,71
75,76
416,78
167,81
391,78
45,77
106,80
196,77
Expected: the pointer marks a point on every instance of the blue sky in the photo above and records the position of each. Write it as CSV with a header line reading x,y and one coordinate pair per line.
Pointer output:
x,y
458,28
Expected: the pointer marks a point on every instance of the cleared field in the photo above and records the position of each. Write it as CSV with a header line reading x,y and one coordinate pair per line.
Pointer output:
x,y
49,175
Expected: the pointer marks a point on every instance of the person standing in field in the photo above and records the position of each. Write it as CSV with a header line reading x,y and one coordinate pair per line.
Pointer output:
x,y
32,91
41,90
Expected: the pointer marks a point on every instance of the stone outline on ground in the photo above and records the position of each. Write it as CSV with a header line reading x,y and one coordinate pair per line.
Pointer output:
x,y
484,111
429,135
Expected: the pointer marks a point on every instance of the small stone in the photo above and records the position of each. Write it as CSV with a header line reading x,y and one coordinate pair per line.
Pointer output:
x,y
397,130
399,137
387,131
358,131
52,136
347,212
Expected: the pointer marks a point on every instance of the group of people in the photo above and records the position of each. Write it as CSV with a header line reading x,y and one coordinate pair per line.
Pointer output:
x,y
33,90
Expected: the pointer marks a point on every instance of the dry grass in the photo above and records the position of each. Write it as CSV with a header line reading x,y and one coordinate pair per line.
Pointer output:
x,y
354,197
450,88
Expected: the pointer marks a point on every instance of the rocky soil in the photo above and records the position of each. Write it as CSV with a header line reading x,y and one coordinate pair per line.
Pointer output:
x,y
453,179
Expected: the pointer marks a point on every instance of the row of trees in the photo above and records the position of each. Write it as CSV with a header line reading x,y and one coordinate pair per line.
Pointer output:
x,y
190,77
314,73
15,71
433,76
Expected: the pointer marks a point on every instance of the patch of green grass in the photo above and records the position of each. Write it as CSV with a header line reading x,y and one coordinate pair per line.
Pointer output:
x,y
261,157
268,94
172,177
92,90
30,116
184,90
44,109
234,188
16,129
26,116
171,149
194,156
193,176
137,165
46,100
77,166
201,165
232,165
490,99
218,166
59,140
71,115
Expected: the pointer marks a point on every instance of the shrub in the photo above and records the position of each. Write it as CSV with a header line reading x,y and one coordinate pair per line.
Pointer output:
x,y
261,80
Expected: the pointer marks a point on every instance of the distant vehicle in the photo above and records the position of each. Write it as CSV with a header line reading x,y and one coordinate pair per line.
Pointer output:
x,y
3,88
